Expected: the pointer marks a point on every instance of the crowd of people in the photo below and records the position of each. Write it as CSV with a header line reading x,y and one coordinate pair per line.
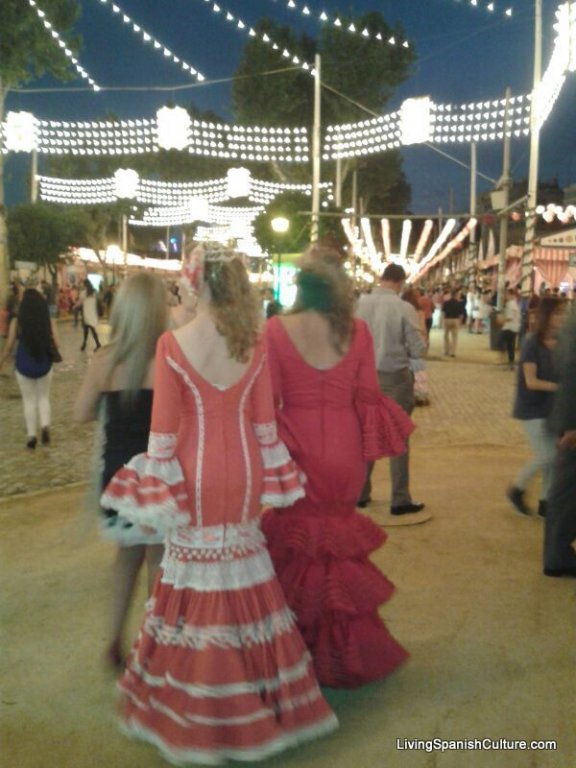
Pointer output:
x,y
238,441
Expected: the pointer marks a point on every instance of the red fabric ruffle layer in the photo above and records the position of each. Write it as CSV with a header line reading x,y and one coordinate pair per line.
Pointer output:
x,y
335,591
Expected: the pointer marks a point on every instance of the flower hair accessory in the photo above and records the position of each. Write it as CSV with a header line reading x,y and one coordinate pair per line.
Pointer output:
x,y
193,266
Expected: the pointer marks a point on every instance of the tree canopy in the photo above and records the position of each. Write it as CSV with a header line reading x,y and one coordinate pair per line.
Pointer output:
x,y
358,75
28,51
42,233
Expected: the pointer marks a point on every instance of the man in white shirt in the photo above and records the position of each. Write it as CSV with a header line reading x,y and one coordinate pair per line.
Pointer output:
x,y
397,339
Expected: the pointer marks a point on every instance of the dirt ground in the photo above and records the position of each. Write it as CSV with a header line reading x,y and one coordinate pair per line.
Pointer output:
x,y
491,639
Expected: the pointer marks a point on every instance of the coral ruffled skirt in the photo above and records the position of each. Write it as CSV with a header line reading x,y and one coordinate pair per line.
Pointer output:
x,y
219,670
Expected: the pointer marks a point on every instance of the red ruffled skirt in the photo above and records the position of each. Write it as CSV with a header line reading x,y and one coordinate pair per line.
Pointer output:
x,y
323,565
219,670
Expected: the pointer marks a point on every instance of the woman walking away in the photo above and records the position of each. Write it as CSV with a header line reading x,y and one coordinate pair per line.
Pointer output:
x,y
118,386
36,337
89,314
510,326
334,419
219,670
537,382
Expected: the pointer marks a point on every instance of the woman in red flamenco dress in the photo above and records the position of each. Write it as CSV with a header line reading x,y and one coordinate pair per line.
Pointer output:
x,y
219,670
333,418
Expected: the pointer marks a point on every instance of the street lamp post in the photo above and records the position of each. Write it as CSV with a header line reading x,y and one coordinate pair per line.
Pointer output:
x,y
280,226
528,255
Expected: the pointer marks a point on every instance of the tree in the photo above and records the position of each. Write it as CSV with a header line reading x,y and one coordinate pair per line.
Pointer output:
x,y
27,51
42,233
359,76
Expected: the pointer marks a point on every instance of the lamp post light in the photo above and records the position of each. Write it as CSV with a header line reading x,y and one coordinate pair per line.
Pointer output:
x,y
280,226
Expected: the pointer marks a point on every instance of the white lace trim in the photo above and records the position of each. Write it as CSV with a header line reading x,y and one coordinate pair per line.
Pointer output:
x,y
282,499
161,445
225,636
162,517
245,537
201,435
267,434
167,470
288,705
283,676
274,456
220,575
244,439
220,755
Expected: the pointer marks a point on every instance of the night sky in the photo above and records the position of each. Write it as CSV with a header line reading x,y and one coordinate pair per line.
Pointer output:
x,y
465,54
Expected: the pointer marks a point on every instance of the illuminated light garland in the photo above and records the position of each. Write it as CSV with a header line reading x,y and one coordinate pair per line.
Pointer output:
x,y
367,137
259,144
374,256
150,40
473,122
385,225
135,137
490,7
424,235
439,242
405,240
243,27
198,210
448,123
335,21
476,122
20,132
160,193
551,212
352,236
428,263
61,44
563,60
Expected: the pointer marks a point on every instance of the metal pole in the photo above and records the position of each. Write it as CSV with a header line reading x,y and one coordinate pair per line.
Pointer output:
x,y
338,195
316,150
34,176
505,184
528,254
125,241
473,183
472,252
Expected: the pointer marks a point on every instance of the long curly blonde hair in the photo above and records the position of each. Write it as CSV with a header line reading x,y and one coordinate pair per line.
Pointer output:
x,y
233,305
324,286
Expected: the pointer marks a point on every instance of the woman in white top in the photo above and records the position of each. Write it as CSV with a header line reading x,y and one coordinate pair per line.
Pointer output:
x,y
511,326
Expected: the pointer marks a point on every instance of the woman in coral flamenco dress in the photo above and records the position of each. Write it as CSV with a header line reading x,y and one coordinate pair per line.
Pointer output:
x,y
333,419
219,670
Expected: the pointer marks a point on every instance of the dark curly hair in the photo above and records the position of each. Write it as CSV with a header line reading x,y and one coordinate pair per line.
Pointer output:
x,y
324,286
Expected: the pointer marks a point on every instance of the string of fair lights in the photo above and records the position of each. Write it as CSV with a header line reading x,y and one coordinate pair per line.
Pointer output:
x,y
149,39
62,45
472,122
127,184
419,120
241,26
